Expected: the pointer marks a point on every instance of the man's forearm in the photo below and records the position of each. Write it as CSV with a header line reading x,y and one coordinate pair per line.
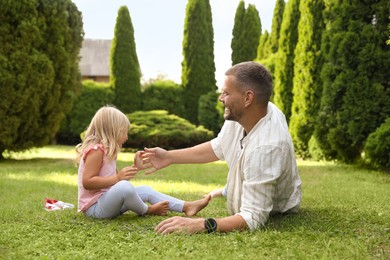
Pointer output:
x,y
231,223
202,153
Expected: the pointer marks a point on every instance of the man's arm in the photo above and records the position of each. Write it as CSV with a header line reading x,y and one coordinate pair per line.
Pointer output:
x,y
158,158
196,225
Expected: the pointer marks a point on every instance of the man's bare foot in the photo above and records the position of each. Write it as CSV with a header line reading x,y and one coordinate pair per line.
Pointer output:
x,y
160,208
193,207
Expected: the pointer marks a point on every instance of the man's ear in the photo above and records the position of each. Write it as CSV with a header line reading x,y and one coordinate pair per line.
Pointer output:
x,y
249,95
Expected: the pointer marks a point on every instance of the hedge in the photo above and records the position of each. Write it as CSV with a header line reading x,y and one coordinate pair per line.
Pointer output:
x,y
159,128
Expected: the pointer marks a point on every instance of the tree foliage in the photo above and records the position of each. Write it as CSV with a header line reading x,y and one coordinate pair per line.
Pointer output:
x,y
125,70
211,112
39,75
262,51
377,147
276,25
93,96
246,33
198,68
306,81
284,67
355,100
163,95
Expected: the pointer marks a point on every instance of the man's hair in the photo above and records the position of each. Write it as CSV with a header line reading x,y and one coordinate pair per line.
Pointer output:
x,y
254,76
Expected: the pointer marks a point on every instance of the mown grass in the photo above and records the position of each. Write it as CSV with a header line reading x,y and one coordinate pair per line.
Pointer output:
x,y
345,213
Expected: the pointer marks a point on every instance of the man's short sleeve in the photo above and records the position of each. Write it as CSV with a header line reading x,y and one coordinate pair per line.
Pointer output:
x,y
217,148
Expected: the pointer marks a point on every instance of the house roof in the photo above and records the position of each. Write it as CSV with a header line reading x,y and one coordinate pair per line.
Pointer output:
x,y
95,57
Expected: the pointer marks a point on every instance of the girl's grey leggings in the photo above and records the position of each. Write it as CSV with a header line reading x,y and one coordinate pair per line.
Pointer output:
x,y
123,196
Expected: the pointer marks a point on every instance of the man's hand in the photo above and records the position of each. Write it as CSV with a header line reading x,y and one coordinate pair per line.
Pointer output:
x,y
155,159
215,193
181,225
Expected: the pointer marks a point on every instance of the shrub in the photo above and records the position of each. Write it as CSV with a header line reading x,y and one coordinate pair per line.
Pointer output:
x,y
377,148
210,113
315,150
158,128
39,77
164,95
93,96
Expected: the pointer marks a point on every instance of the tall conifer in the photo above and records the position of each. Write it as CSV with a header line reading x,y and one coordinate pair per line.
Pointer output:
x,y
356,91
236,43
262,51
246,33
125,70
198,68
284,68
276,25
307,68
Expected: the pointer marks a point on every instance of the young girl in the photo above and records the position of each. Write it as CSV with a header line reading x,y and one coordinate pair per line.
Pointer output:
x,y
103,192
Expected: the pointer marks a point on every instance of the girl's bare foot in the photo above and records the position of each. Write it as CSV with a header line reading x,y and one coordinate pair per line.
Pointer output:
x,y
193,207
160,208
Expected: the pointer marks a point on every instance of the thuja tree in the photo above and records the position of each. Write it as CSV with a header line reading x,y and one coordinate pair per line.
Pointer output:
x,y
125,70
307,68
198,68
237,32
262,51
276,25
39,77
355,99
246,33
284,67
266,52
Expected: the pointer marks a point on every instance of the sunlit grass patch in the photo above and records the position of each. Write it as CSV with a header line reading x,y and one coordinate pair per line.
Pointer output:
x,y
344,214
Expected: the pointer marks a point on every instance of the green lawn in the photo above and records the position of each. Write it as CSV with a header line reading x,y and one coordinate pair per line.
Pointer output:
x,y
345,213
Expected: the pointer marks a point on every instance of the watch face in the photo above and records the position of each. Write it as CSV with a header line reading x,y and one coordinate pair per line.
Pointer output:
x,y
210,225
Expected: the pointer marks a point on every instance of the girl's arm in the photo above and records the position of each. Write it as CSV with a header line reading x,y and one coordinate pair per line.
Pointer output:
x,y
92,166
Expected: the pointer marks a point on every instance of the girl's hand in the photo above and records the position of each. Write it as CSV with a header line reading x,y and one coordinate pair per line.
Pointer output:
x,y
127,173
139,161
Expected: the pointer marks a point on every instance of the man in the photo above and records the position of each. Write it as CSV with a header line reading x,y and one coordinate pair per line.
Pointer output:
x,y
254,141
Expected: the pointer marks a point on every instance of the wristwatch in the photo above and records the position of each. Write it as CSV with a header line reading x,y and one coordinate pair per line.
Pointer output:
x,y
210,225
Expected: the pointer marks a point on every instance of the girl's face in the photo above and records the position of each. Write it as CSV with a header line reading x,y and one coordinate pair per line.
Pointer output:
x,y
123,138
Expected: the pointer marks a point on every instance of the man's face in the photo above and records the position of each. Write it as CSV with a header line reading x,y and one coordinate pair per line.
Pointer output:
x,y
233,100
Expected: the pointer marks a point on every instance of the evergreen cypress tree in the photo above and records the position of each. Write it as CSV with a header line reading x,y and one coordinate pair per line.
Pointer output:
x,y
198,68
39,70
246,33
306,81
276,25
266,51
355,99
238,28
262,51
125,70
284,67
252,33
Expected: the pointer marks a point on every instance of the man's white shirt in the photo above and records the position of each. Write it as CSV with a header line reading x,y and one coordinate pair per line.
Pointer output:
x,y
263,176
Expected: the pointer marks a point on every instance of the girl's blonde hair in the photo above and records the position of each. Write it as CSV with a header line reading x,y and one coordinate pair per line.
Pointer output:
x,y
107,127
